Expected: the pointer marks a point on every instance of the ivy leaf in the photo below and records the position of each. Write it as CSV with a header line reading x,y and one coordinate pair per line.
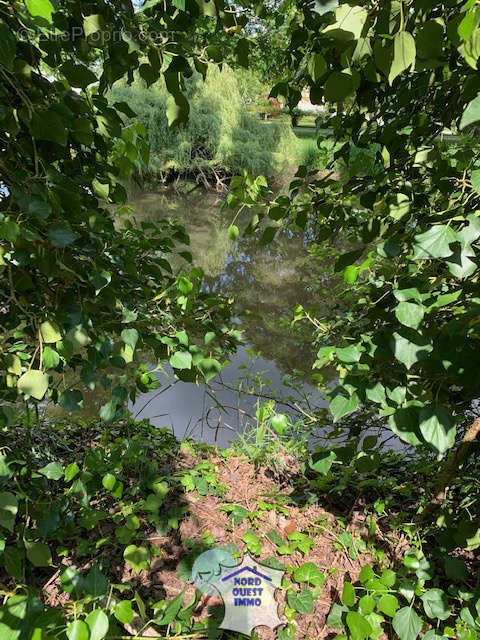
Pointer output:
x,y
342,406
407,624
123,611
52,471
409,314
172,609
437,427
71,400
434,243
39,554
181,360
137,557
404,52
471,113
253,543
209,367
317,67
78,630
97,622
309,572
335,617
321,461
435,604
359,626
404,424
410,347
388,604
348,594
130,337
301,602
95,583
34,383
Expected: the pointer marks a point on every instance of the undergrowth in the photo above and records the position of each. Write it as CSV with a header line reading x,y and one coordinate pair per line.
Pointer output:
x,y
101,526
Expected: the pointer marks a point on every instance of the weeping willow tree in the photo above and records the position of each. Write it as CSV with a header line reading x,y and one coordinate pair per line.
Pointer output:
x,y
220,137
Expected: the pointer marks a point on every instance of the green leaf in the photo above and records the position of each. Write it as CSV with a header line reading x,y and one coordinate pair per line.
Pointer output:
x,y
435,603
137,557
97,622
209,367
341,406
172,609
33,383
100,279
18,617
399,206
309,572
410,347
78,75
279,422
455,568
109,481
8,46
52,471
437,427
71,471
92,24
407,624
181,360
71,400
471,113
405,424
61,235
388,604
48,125
123,611
434,243
475,180
338,86
50,331
321,461
130,337
409,314
348,594
366,574
348,354
349,22
8,509
359,626
40,9
95,583
301,602
101,189
233,232
335,617
38,553
317,67
253,543
177,109
78,630
366,604
404,52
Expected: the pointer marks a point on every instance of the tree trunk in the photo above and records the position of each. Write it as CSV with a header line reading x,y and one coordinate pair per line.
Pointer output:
x,y
452,463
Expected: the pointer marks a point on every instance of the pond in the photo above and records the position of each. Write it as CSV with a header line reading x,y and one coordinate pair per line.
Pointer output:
x,y
266,283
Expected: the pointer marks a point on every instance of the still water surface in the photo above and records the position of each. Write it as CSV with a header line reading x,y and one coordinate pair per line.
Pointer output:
x,y
267,283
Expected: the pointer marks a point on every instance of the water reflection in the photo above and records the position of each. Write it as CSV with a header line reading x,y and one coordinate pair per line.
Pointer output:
x,y
266,283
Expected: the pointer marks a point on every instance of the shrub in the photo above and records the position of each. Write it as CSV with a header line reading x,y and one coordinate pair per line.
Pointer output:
x,y
220,138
